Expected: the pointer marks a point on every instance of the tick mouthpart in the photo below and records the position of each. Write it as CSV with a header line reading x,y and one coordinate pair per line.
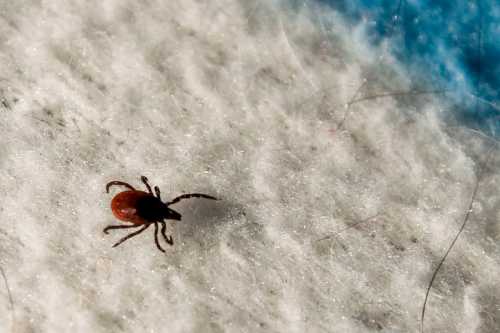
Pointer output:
x,y
173,215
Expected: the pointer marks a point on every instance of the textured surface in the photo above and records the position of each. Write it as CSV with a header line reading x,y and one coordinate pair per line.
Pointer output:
x,y
452,46
241,100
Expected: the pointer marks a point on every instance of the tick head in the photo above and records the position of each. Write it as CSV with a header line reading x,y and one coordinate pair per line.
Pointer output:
x,y
172,215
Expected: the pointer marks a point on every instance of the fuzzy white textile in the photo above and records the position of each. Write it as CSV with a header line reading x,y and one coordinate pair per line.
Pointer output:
x,y
341,186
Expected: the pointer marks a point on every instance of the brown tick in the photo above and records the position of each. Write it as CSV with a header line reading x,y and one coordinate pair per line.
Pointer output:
x,y
144,209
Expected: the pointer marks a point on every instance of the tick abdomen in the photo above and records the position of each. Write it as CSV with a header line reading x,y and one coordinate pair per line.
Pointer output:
x,y
137,207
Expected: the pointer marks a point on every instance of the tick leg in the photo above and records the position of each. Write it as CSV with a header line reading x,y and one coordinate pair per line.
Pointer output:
x,y
157,191
145,181
135,233
156,238
169,240
190,195
110,227
117,182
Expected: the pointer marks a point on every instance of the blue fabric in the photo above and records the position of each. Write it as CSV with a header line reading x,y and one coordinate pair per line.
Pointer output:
x,y
452,45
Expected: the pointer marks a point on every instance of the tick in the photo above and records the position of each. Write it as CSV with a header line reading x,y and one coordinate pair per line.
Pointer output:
x,y
143,209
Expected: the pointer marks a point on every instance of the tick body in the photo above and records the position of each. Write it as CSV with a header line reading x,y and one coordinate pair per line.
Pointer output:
x,y
143,209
